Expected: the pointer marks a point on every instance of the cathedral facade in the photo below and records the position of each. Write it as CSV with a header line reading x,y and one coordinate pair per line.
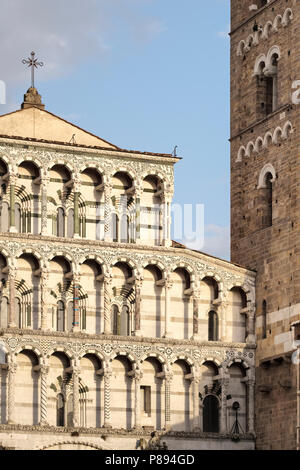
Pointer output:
x,y
111,335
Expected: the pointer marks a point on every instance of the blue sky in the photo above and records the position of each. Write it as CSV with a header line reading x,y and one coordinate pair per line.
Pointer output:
x,y
143,74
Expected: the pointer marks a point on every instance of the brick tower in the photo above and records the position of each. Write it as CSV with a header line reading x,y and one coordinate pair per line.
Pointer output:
x,y
265,199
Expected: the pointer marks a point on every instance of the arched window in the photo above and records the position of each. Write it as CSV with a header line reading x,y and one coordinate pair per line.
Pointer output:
x,y
213,326
268,215
264,319
115,320
211,414
83,318
125,321
267,93
60,222
70,224
60,410
125,229
4,313
60,316
115,227
18,218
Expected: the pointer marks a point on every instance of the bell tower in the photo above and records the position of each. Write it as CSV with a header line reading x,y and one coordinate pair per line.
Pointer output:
x,y
265,199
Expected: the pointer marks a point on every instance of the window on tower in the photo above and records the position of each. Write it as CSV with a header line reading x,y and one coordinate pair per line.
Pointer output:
x,y
267,217
267,93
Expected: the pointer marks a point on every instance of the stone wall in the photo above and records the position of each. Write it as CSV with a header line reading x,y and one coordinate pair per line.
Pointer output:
x,y
264,45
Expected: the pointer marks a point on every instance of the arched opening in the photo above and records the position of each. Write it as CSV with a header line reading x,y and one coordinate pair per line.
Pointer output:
x,y
61,292
151,313
59,390
267,94
91,392
123,295
151,223
122,199
238,392
90,307
180,397
60,229
237,302
4,206
209,387
213,326
121,394
115,228
92,215
211,414
27,389
28,214
268,209
181,324
60,316
59,192
27,285
60,410
18,218
151,389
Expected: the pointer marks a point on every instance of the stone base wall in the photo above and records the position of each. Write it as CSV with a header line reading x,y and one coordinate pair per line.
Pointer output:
x,y
276,407
26,439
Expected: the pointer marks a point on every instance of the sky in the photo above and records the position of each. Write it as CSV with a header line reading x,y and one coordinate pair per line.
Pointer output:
x,y
142,74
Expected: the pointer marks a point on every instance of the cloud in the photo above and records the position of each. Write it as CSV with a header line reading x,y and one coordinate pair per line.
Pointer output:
x,y
67,33
216,242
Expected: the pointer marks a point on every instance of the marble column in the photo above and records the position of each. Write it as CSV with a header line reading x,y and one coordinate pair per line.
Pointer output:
x,y
167,201
168,287
12,219
224,381
137,399
251,405
76,372
196,403
251,325
44,203
107,395
44,371
76,210
223,310
12,370
168,382
138,194
12,294
44,304
107,213
76,291
138,301
107,303
196,300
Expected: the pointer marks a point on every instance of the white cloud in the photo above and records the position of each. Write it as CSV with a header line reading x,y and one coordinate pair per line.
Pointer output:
x,y
67,33
216,242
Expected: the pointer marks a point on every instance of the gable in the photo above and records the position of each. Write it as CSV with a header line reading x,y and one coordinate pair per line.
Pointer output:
x,y
40,124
